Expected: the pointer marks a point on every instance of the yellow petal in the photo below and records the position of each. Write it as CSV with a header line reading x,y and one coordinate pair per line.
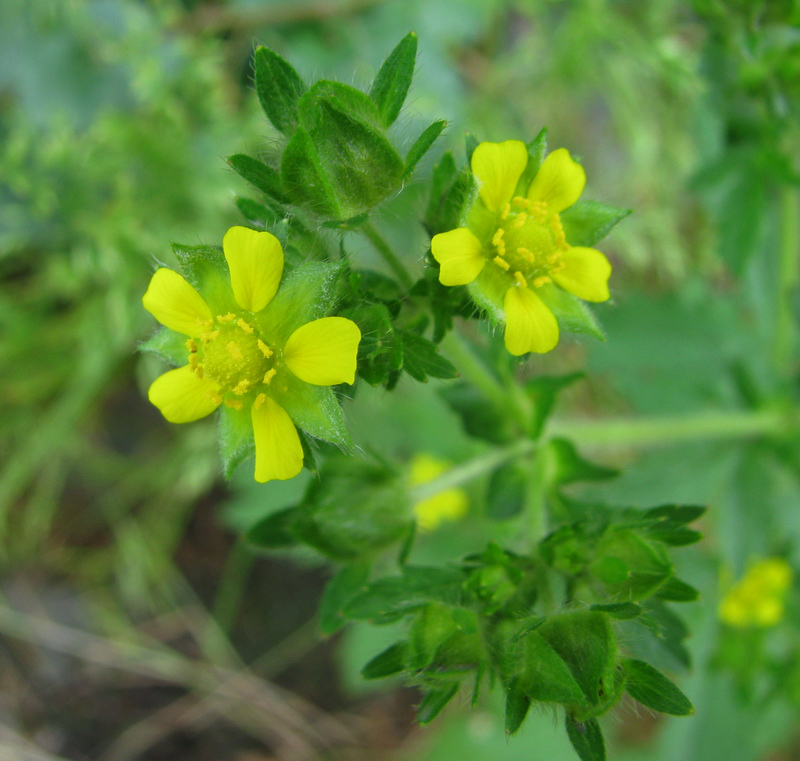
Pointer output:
x,y
498,167
176,304
460,256
279,454
255,260
585,274
559,181
323,352
530,325
182,397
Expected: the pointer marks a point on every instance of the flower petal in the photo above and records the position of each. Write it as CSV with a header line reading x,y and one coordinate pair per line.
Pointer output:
x,y
585,274
255,260
559,181
279,454
182,397
324,352
460,256
530,325
176,304
498,167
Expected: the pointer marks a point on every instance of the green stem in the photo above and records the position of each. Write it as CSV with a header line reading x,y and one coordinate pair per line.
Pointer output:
x,y
389,256
668,430
474,370
788,278
471,469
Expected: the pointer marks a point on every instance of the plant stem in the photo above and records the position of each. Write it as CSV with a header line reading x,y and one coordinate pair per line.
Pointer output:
x,y
471,469
788,279
389,256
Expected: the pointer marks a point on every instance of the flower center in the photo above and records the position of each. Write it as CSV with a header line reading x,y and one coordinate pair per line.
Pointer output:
x,y
529,242
234,356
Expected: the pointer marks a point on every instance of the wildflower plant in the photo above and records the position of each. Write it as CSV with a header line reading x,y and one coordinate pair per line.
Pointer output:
x,y
276,329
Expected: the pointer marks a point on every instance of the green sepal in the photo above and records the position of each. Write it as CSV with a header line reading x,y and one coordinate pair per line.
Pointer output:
x,y
470,144
343,97
390,88
259,215
587,739
640,567
434,701
422,145
676,590
652,689
235,436
545,675
305,180
279,89
572,314
517,705
168,345
274,531
258,174
422,360
307,293
380,352
387,663
537,148
621,610
588,222
206,269
343,587
452,190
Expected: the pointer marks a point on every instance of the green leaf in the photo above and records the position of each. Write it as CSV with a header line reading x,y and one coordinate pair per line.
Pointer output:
x,y
305,180
543,391
343,587
674,515
344,97
391,85
434,701
258,214
621,610
587,739
168,345
279,89
431,630
258,174
422,146
740,219
235,435
517,705
571,467
274,531
421,359
676,590
588,222
390,661
480,417
505,496
381,349
652,689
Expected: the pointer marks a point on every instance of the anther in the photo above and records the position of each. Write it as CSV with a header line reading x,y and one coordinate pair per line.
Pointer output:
x,y
521,219
246,327
502,263
269,375
541,280
193,361
259,400
241,387
520,279
521,202
223,318
497,238
234,404
506,211
525,254
234,351
210,336
199,371
216,398
264,349
191,345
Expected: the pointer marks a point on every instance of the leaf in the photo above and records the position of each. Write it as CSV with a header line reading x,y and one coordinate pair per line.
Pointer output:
x,y
652,689
258,174
543,391
621,610
422,146
304,178
346,584
587,739
279,89
274,531
258,214
676,590
434,701
505,496
168,345
571,467
517,705
572,314
391,85
390,661
421,359
740,219
588,222
480,418
537,149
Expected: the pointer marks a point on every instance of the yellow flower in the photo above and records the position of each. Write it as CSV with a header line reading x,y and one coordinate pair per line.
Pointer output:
x,y
514,243
237,355
757,599
448,505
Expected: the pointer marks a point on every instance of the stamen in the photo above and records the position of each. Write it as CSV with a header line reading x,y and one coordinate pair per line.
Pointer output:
x,y
520,279
216,398
521,219
521,202
525,254
241,387
265,350
234,404
502,263
259,400
554,258
246,327
194,361
191,345
199,371
205,323
269,375
541,280
223,318
497,238
234,351
210,336
506,210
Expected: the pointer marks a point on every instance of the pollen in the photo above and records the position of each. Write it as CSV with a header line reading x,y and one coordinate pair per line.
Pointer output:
x,y
209,336
223,318
525,254
234,404
216,398
235,351
264,349
520,280
245,326
269,375
502,263
191,345
199,371
193,361
241,387
259,400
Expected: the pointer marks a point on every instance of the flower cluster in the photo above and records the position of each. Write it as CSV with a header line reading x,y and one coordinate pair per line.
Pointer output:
x,y
757,599
514,247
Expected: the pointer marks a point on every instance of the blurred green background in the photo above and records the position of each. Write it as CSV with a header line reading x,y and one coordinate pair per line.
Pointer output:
x,y
134,623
